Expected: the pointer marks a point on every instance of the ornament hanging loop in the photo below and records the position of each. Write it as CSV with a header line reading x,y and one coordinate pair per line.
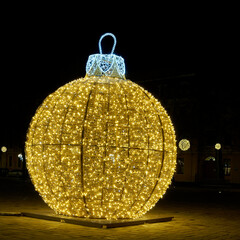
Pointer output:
x,y
101,38
106,64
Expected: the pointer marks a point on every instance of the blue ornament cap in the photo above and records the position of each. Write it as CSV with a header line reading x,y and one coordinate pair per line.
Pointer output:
x,y
106,64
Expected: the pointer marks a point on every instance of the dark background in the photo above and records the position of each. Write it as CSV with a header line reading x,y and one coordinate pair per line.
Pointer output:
x,y
43,47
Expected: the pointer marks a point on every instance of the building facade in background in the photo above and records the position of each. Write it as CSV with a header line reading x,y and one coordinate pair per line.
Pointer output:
x,y
11,161
205,113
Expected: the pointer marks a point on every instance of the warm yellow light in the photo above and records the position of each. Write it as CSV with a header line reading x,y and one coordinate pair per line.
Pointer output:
x,y
218,146
184,144
3,149
101,147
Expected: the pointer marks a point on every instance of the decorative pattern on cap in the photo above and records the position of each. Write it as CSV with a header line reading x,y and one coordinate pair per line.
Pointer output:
x,y
106,64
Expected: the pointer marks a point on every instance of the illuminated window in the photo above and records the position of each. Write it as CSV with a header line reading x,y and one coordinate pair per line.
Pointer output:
x,y
180,166
227,167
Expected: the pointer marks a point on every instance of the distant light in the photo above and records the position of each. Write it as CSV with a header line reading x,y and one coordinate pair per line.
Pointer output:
x,y
4,149
218,146
20,156
210,158
184,144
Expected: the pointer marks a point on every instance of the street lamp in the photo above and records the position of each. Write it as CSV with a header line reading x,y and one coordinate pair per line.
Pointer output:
x,y
219,161
4,156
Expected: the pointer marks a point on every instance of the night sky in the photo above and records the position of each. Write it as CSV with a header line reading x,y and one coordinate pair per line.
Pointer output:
x,y
44,47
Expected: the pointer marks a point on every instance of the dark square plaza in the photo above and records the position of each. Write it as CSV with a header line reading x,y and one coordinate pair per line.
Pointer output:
x,y
200,212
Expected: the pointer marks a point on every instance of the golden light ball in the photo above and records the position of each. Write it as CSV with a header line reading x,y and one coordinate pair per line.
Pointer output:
x,y
101,147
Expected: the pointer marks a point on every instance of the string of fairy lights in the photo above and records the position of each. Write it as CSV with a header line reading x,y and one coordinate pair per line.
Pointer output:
x,y
101,147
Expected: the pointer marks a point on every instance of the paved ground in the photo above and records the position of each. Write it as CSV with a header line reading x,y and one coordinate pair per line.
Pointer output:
x,y
199,213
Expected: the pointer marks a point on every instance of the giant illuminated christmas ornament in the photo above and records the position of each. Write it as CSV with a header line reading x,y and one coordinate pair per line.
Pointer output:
x,y
101,146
